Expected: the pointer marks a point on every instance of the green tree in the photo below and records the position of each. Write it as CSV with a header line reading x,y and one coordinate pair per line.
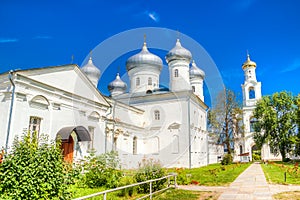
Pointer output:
x,y
33,169
276,123
225,119
297,145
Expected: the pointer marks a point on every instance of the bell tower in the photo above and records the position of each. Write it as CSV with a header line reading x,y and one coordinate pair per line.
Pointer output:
x,y
251,88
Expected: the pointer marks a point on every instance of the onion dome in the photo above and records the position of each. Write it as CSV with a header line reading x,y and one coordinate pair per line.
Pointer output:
x,y
248,63
117,86
178,52
196,72
143,58
91,71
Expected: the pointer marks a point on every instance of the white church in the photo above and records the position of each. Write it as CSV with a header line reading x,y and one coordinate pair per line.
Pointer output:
x,y
147,122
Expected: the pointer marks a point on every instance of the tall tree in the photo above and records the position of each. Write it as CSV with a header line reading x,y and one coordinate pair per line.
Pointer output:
x,y
297,146
276,125
225,119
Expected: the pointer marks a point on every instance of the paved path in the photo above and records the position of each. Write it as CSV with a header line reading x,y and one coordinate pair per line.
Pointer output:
x,y
249,185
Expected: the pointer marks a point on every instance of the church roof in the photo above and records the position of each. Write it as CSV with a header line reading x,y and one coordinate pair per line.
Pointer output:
x,y
117,84
143,57
178,52
248,63
196,72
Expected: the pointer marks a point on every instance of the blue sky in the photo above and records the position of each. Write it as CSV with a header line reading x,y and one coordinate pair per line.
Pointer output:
x,y
48,33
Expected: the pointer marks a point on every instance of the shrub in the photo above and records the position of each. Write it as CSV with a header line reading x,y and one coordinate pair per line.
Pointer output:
x,y
102,170
256,156
182,177
127,192
148,170
34,169
227,159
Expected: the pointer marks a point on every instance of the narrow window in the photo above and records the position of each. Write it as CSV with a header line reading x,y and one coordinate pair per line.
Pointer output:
x,y
134,146
194,89
34,124
252,123
91,143
176,73
137,81
156,115
115,143
149,81
251,93
241,149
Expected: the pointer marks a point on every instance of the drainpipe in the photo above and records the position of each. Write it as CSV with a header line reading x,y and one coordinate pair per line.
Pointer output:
x,y
10,77
207,142
189,133
114,125
105,134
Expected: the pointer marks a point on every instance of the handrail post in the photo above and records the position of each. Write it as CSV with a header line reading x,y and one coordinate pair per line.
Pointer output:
x,y
104,196
151,190
169,183
175,182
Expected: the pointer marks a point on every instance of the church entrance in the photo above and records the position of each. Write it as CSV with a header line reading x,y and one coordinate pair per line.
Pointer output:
x,y
256,153
68,149
69,137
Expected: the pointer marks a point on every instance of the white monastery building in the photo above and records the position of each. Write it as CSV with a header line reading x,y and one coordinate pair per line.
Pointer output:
x,y
147,122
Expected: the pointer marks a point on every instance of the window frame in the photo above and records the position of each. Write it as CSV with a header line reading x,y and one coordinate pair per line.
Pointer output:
x,y
156,115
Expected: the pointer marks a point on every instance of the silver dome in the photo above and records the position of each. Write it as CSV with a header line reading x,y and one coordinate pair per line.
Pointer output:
x,y
196,72
117,84
144,57
178,53
91,70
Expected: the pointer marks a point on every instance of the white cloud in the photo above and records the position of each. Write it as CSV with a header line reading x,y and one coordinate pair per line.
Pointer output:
x,y
152,15
7,40
295,65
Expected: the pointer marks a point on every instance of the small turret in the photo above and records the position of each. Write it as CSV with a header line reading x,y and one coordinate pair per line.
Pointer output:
x,y
92,72
117,86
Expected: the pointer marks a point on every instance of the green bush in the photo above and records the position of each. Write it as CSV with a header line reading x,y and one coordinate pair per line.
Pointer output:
x,y
148,170
127,192
102,170
256,156
227,159
182,177
33,169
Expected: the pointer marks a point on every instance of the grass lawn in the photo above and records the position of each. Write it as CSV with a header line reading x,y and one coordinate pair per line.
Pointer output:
x,y
211,175
171,194
274,173
287,195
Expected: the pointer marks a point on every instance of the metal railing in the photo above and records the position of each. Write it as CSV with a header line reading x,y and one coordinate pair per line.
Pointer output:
x,y
151,193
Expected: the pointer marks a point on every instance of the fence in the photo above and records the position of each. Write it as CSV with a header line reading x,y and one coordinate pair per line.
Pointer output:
x,y
104,193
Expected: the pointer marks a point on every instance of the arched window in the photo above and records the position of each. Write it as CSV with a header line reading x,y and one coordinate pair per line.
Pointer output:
x,y
34,124
156,115
252,123
176,73
137,81
251,93
241,149
134,145
193,88
149,81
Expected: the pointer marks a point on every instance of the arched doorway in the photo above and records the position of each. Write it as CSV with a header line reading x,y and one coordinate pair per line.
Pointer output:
x,y
256,153
69,136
